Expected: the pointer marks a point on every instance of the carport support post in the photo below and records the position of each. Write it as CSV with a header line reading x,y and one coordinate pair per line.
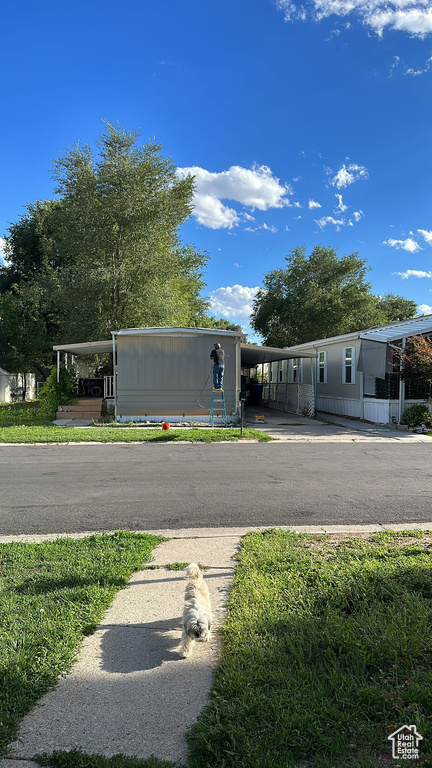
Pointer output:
x,y
401,386
313,362
58,366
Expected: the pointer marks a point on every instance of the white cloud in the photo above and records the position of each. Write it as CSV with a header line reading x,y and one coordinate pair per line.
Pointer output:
x,y
313,204
357,215
338,223
395,64
268,227
348,175
407,245
413,273
233,302
255,188
420,70
341,205
425,309
411,16
426,234
210,212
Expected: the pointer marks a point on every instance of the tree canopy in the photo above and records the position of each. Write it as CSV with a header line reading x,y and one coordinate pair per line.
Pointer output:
x,y
415,360
320,296
104,254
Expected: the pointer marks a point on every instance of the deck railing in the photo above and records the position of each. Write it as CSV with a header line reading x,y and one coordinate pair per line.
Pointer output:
x,y
108,386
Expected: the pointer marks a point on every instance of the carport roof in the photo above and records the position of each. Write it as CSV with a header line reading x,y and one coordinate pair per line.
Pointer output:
x,y
252,354
86,348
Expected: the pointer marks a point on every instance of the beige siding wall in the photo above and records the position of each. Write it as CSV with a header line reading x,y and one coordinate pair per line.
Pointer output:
x,y
334,386
164,375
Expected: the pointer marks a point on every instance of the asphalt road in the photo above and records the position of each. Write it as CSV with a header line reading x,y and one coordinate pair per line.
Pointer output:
x,y
73,488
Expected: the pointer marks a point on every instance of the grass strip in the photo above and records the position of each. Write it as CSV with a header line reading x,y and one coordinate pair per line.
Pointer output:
x,y
77,759
54,434
51,595
327,650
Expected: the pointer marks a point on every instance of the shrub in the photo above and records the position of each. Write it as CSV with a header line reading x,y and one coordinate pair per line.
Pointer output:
x,y
416,414
55,393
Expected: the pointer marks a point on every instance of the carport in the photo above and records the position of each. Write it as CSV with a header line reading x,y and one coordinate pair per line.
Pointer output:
x,y
278,392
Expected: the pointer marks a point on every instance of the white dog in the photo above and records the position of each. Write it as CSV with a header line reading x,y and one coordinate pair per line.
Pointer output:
x,y
196,611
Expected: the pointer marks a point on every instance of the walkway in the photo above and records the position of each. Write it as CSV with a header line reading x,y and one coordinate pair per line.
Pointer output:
x,y
130,692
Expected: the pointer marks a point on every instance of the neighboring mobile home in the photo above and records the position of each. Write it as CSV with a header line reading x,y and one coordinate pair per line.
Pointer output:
x,y
164,374
353,375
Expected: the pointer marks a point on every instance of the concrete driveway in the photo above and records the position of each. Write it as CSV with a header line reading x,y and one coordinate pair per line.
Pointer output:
x,y
325,427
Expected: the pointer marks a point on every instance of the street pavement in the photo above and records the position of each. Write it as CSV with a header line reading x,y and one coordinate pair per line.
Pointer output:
x,y
80,487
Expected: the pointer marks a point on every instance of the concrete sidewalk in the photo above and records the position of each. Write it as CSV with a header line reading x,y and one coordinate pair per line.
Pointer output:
x,y
129,692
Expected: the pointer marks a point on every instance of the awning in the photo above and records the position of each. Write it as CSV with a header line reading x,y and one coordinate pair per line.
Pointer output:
x,y
252,354
373,358
86,348
399,330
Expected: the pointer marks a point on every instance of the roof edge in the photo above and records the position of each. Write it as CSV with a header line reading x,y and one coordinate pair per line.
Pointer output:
x,y
365,333
158,330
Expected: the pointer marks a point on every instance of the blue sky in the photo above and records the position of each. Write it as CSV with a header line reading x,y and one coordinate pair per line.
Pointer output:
x,y
305,122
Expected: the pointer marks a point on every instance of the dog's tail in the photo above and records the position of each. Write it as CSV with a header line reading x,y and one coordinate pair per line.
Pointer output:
x,y
193,572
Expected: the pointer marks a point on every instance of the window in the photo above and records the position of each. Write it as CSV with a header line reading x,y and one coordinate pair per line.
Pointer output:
x,y
348,371
322,367
280,371
297,370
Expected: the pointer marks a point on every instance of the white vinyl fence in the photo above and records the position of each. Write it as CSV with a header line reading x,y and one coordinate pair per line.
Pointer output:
x,y
12,386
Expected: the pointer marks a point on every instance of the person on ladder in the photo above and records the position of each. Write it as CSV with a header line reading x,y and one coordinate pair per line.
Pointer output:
x,y
218,356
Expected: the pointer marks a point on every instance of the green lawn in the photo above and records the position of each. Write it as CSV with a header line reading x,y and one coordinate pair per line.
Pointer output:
x,y
52,434
51,595
22,423
327,650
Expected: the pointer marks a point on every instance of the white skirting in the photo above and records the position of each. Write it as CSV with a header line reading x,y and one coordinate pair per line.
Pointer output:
x,y
178,419
341,406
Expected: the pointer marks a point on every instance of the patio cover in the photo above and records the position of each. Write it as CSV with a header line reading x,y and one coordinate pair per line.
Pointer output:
x,y
252,354
86,348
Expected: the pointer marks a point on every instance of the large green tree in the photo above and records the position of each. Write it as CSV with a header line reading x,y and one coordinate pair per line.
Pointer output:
x,y
106,253
319,296
394,308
